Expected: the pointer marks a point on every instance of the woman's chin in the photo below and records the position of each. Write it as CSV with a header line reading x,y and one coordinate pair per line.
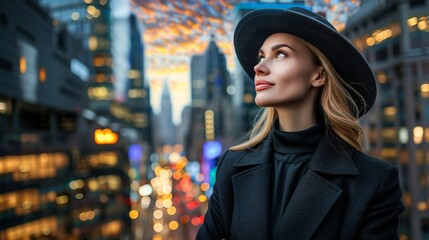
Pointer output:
x,y
263,102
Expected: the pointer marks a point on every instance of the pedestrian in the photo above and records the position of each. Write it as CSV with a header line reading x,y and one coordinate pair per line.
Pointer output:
x,y
302,173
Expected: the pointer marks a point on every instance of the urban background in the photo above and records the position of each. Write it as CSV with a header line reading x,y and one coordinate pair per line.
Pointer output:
x,y
113,113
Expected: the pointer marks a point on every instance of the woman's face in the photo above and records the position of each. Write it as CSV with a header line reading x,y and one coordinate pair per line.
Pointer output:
x,y
285,73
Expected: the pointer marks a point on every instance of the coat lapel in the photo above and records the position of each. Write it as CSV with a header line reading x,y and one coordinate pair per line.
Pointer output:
x,y
314,196
252,193
310,203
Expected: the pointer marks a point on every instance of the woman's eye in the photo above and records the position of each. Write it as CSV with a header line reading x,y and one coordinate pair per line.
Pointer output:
x,y
260,58
280,55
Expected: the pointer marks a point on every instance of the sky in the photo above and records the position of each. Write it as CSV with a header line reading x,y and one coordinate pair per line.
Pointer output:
x,y
173,31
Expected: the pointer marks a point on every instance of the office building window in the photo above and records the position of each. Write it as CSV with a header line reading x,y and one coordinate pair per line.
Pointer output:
x,y
6,64
381,54
30,167
3,19
22,64
414,3
42,74
38,229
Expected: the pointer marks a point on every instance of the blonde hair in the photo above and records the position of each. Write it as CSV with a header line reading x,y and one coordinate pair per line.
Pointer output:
x,y
340,109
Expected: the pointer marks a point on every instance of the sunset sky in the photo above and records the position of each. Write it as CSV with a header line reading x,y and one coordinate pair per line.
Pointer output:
x,y
176,30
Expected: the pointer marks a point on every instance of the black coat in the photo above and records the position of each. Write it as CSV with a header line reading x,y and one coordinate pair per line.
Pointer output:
x,y
345,194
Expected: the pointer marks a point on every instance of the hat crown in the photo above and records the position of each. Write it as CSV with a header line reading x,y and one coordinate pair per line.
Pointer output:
x,y
256,26
314,16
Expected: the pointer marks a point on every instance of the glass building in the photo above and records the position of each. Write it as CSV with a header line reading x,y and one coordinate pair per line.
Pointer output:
x,y
63,172
394,38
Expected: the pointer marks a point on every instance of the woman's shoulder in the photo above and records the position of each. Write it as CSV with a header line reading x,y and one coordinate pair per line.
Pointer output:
x,y
367,163
231,156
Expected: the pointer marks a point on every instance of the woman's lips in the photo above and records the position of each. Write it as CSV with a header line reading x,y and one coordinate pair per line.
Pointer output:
x,y
262,85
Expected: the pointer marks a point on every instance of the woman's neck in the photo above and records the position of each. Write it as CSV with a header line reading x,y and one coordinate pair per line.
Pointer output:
x,y
295,119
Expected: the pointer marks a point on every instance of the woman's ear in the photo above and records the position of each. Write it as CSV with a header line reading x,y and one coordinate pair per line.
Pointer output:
x,y
319,78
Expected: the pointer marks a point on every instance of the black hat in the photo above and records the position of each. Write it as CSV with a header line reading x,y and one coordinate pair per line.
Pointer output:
x,y
256,26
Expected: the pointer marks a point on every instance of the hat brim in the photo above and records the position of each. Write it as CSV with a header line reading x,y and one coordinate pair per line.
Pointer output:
x,y
256,26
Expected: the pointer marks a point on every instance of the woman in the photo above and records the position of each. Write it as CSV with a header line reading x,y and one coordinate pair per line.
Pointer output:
x,y
302,173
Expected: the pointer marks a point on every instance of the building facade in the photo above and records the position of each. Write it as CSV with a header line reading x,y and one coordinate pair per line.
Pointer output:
x,y
211,104
164,120
394,37
63,172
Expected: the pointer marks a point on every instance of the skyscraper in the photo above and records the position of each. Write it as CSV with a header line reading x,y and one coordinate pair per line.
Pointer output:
x,y
394,36
138,93
167,130
55,181
198,83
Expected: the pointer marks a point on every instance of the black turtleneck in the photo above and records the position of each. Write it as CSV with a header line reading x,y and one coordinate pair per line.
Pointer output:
x,y
292,152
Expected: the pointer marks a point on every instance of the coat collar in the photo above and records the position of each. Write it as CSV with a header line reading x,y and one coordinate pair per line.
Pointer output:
x,y
332,156
300,219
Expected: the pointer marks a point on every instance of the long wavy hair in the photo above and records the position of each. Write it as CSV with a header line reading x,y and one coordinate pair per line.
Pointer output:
x,y
340,110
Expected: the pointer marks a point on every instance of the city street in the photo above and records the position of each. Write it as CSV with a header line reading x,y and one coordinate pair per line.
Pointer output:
x,y
114,114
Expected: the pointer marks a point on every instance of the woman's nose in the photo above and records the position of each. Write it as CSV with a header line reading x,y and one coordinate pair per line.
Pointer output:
x,y
261,69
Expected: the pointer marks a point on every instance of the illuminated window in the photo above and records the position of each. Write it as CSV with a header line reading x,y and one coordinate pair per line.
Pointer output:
x,y
382,34
22,65
136,93
133,74
424,88
91,9
105,136
121,112
103,159
370,41
99,93
76,184
422,206
381,77
92,43
422,24
93,12
248,98
390,111
42,75
389,134
418,23
98,61
22,202
97,13
412,21
140,120
99,77
420,158
4,108
88,215
36,166
209,122
112,228
403,135
418,134
113,182
75,16
388,153
41,227
427,136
